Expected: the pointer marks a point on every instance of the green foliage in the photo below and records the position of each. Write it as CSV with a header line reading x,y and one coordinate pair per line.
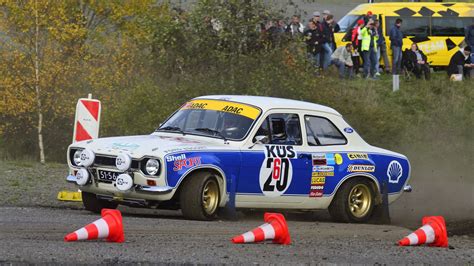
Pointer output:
x,y
143,60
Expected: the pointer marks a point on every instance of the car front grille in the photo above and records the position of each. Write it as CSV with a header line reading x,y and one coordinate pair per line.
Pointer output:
x,y
109,161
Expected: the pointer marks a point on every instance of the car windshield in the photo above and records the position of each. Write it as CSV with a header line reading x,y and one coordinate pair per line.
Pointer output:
x,y
347,22
214,118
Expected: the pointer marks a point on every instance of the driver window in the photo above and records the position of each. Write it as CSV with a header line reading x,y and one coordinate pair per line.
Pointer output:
x,y
283,129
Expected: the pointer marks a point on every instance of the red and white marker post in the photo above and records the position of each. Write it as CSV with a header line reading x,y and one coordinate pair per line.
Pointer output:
x,y
87,121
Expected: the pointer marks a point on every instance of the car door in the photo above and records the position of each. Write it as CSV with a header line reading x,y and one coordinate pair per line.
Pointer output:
x,y
274,170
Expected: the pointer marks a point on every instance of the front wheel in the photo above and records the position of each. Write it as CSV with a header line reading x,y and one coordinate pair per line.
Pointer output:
x,y
199,197
354,202
93,204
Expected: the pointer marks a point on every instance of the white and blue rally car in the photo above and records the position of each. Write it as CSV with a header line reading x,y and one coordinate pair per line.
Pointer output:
x,y
241,152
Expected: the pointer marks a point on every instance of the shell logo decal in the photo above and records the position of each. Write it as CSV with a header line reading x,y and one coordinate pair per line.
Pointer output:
x,y
394,172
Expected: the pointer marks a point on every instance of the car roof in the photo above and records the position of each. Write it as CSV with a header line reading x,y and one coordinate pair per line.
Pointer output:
x,y
267,103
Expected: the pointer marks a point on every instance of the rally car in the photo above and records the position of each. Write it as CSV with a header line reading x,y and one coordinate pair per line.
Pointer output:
x,y
241,152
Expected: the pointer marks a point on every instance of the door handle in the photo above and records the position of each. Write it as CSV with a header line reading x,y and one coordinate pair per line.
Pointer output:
x,y
304,155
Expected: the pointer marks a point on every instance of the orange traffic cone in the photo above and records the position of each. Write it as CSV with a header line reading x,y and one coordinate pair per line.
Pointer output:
x,y
109,227
275,228
433,232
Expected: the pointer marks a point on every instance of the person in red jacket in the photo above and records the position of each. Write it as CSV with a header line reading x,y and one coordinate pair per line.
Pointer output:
x,y
356,45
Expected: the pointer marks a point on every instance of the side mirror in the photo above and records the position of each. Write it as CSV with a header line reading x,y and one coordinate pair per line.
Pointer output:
x,y
261,139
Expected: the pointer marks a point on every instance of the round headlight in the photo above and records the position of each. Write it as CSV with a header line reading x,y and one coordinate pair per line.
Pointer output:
x,y
152,167
77,158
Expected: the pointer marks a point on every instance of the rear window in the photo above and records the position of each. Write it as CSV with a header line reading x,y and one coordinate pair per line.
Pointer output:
x,y
320,131
449,26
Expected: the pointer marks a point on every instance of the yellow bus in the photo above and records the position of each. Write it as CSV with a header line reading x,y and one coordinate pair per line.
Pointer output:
x,y
437,28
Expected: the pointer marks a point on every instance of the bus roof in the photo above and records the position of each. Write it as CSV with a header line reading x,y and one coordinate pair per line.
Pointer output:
x,y
417,9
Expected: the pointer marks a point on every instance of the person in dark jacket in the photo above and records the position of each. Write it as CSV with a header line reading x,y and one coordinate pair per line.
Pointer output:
x,y
418,60
328,39
313,38
469,40
396,43
460,63
381,49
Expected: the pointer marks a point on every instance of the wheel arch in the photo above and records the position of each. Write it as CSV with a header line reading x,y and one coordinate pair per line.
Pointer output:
x,y
216,171
372,180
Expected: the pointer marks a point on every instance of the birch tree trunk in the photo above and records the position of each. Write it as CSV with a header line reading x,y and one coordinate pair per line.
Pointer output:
x,y
37,87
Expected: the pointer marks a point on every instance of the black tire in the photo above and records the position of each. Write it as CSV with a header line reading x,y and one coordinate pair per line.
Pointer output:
x,y
192,196
340,208
93,204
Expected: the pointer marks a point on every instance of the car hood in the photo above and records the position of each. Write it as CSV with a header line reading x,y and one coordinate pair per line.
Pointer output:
x,y
139,146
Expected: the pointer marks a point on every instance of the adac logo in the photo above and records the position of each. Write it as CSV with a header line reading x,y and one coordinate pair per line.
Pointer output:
x,y
394,172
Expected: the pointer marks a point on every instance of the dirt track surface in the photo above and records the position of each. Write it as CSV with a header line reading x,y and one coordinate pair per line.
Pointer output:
x,y
35,235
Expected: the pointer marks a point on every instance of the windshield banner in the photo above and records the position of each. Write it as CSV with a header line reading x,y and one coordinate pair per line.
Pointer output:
x,y
224,106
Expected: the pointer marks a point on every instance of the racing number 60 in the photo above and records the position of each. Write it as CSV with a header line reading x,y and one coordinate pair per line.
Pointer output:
x,y
279,173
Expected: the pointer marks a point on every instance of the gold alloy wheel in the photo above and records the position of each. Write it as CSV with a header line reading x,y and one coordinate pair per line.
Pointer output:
x,y
360,200
210,196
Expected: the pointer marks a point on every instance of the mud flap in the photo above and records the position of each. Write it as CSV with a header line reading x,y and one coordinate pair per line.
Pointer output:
x,y
229,212
65,195
381,214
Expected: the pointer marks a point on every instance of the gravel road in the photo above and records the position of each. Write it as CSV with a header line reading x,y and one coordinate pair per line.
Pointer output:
x,y
35,235
33,224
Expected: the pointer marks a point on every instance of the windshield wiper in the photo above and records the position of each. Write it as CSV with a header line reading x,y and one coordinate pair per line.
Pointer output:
x,y
171,128
213,131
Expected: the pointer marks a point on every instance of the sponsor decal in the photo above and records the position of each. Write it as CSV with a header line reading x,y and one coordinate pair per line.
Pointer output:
x,y
189,148
186,163
318,180
322,174
179,139
224,106
358,156
348,130
323,168
318,187
338,159
172,158
125,146
361,168
323,159
315,193
276,171
394,172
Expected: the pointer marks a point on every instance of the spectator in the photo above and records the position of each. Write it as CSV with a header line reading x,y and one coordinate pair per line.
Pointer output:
x,y
316,17
396,43
328,39
461,63
470,38
275,30
326,13
313,38
368,17
381,49
295,28
418,62
356,45
341,58
369,49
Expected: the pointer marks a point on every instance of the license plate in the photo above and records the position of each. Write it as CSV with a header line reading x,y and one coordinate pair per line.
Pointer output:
x,y
107,176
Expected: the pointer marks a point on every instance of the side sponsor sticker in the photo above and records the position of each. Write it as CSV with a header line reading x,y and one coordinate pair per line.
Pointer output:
x,y
323,168
394,172
322,174
361,168
276,171
358,156
186,163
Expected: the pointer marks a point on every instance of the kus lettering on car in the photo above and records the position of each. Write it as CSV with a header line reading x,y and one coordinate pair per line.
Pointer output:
x,y
186,163
361,168
276,171
358,156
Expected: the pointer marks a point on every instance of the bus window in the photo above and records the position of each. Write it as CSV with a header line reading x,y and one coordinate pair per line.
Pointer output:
x,y
411,26
449,26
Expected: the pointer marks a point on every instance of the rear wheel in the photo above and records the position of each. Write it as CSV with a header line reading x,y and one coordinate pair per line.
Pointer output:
x,y
354,202
199,197
93,204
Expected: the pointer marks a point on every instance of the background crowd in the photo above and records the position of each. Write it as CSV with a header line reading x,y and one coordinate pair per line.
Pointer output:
x,y
367,47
